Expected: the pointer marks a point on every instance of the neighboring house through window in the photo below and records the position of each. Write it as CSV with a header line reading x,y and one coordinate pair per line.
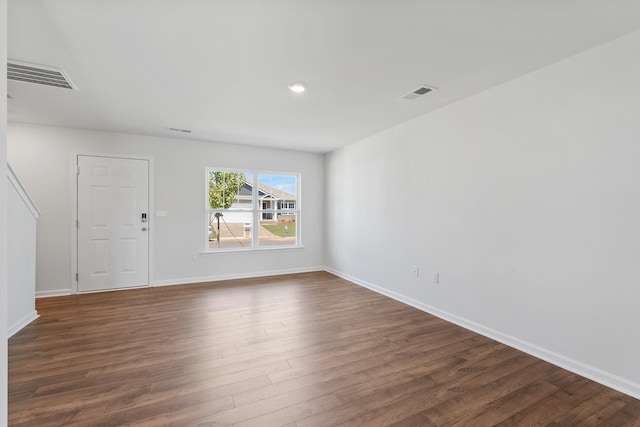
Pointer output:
x,y
251,209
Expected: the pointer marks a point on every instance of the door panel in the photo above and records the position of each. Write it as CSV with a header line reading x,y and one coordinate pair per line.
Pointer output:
x,y
113,242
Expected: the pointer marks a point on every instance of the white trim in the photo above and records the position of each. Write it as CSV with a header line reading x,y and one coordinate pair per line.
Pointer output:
x,y
218,278
22,192
186,281
252,249
74,214
128,288
54,293
72,227
605,378
17,327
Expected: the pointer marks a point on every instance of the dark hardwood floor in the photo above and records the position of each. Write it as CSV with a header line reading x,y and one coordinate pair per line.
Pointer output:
x,y
297,350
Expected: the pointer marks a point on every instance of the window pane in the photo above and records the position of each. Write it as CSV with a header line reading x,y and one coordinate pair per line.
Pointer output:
x,y
230,229
230,190
278,233
277,192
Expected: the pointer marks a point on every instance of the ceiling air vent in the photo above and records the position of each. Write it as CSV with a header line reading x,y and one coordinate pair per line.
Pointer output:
x,y
422,90
38,74
180,130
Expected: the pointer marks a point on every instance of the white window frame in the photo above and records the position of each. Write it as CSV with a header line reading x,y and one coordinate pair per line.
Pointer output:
x,y
255,210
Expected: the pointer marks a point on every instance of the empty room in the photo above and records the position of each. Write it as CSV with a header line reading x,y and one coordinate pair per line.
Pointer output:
x,y
320,213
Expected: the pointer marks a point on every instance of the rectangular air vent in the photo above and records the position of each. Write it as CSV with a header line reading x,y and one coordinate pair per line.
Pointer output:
x,y
180,130
38,74
422,90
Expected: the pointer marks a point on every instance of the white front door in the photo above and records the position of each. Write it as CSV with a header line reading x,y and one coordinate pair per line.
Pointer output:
x,y
113,227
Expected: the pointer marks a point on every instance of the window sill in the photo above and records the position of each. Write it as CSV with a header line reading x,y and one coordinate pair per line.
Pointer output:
x,y
271,248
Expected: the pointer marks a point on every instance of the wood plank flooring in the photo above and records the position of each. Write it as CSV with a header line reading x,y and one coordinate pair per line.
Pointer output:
x,y
298,350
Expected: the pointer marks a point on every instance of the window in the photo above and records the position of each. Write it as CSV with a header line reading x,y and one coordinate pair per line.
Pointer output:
x,y
251,209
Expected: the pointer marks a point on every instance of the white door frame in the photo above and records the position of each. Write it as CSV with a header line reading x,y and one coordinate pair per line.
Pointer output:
x,y
74,213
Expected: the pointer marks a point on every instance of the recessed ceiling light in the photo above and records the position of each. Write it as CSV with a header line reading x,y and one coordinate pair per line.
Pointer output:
x,y
297,87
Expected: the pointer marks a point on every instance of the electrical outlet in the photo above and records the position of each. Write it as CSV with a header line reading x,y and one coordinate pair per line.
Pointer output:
x,y
415,270
435,277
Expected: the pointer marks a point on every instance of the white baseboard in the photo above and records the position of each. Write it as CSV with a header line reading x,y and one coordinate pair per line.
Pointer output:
x,y
17,327
54,293
187,280
218,278
605,378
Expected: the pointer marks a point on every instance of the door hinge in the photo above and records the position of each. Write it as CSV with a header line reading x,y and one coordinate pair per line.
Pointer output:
x,y
77,223
77,170
76,277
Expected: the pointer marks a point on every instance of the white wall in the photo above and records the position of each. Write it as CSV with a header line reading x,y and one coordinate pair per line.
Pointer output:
x,y
22,215
525,198
43,157
3,215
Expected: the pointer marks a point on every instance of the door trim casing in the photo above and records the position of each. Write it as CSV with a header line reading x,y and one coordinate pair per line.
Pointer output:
x,y
74,213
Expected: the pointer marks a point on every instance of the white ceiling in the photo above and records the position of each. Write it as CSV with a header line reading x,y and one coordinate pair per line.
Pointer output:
x,y
221,68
